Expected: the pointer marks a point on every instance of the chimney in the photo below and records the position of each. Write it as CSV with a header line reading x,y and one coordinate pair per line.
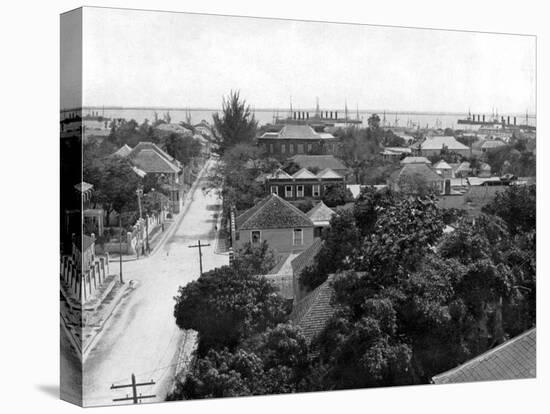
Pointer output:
x,y
331,117
514,120
447,186
336,114
508,119
307,115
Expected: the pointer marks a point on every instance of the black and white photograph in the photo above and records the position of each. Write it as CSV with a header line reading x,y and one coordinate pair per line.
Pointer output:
x,y
298,209
275,206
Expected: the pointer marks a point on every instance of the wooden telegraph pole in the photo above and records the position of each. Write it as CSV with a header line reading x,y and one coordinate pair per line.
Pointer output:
x,y
199,245
135,397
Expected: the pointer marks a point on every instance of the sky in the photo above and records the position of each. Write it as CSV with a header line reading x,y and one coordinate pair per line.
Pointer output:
x,y
149,59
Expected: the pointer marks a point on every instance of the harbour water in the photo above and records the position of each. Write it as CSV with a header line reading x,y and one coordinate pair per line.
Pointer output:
x,y
264,116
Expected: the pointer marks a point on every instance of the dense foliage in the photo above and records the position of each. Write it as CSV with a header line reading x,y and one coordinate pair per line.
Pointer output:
x,y
227,305
236,124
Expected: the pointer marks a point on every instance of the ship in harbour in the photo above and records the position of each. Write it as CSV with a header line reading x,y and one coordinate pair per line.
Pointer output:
x,y
494,121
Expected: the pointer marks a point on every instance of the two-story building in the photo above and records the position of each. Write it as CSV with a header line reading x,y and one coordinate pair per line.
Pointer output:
x,y
148,158
297,139
302,184
284,227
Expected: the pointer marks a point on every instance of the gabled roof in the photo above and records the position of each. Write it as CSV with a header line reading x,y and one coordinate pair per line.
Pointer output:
x,y
410,170
438,142
415,160
328,173
278,174
150,161
320,215
307,257
122,151
513,359
304,174
319,162
442,165
272,213
312,313
143,145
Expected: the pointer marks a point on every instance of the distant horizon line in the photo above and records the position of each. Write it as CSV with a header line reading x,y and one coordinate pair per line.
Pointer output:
x,y
285,110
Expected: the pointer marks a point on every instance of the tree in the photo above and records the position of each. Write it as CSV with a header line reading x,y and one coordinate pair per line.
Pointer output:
x,y
374,121
274,362
115,184
517,206
336,195
340,242
226,305
370,204
237,180
236,124
182,147
254,260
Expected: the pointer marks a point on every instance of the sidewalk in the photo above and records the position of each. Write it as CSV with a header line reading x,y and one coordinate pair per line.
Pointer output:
x,y
83,326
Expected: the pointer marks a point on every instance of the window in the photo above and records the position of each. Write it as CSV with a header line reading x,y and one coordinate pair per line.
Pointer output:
x,y
288,191
298,237
255,237
291,148
309,148
283,148
316,190
299,191
300,148
271,148
274,189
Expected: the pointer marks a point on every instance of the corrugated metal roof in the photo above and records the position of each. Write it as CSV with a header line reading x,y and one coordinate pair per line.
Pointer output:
x,y
312,313
513,359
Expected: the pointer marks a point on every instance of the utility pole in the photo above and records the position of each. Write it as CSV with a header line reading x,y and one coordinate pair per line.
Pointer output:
x,y
139,193
120,246
135,397
199,245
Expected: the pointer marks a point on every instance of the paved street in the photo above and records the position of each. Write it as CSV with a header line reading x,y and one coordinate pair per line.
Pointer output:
x,y
142,337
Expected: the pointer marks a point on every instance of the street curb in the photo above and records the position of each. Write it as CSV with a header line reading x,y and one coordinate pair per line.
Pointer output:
x,y
129,286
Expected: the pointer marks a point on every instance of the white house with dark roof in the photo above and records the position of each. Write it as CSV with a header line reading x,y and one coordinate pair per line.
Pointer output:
x,y
284,227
